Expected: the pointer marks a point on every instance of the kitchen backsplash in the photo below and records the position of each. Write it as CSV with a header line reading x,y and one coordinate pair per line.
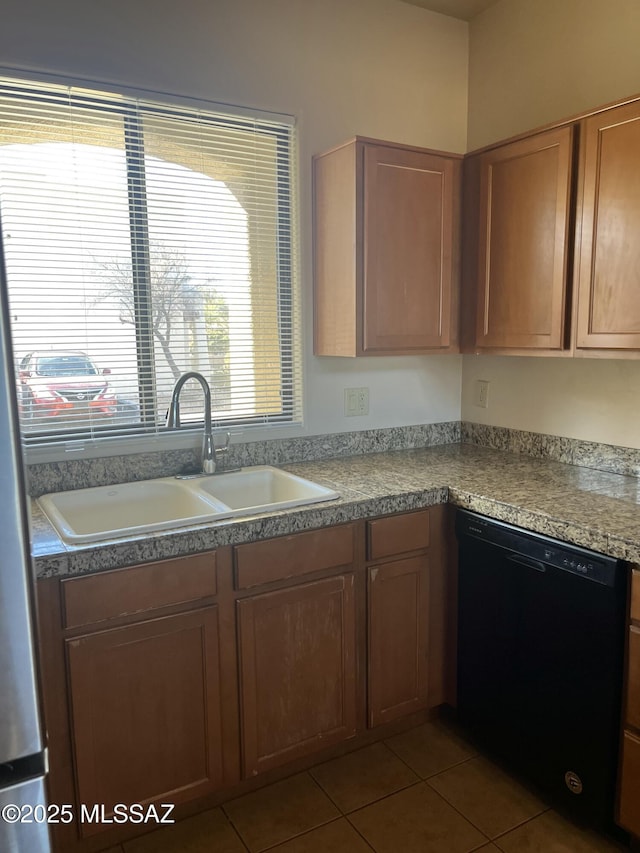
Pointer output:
x,y
589,454
81,473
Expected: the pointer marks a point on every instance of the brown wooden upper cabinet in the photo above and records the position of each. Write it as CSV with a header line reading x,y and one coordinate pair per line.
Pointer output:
x,y
609,256
385,250
546,216
519,197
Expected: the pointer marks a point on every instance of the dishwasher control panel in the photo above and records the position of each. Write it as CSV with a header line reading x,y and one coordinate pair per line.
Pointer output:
x,y
537,548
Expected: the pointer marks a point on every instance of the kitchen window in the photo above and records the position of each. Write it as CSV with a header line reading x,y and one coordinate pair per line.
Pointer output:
x,y
142,241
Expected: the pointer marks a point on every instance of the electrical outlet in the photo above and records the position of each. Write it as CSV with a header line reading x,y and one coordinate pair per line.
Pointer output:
x,y
356,402
363,401
482,394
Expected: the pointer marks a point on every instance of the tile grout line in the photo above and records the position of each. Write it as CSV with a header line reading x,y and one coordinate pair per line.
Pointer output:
x,y
344,812
425,780
299,835
306,831
326,793
503,834
476,755
237,833
376,802
469,820
383,797
322,790
359,834
564,817
486,839
445,800
522,823
437,773
234,827
346,815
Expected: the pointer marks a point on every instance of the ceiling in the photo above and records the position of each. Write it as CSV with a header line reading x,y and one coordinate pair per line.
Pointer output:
x,y
465,9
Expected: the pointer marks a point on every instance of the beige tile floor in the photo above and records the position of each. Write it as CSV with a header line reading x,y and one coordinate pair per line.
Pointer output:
x,y
424,791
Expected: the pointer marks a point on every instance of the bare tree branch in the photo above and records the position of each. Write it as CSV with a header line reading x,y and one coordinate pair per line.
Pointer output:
x,y
171,294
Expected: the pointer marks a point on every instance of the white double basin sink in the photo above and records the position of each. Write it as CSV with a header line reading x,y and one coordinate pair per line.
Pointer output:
x,y
108,512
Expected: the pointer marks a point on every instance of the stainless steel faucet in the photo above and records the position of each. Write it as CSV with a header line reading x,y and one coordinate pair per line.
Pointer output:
x,y
173,419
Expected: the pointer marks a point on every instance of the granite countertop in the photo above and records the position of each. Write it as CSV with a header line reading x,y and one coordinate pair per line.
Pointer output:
x,y
588,507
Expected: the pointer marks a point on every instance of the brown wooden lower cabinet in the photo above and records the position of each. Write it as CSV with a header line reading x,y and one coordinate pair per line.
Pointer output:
x,y
139,689
629,800
298,679
145,708
165,691
629,781
398,638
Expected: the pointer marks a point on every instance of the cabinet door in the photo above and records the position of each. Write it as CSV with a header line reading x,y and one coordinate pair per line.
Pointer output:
x,y
632,716
410,210
525,196
398,638
629,781
629,795
146,711
609,274
297,671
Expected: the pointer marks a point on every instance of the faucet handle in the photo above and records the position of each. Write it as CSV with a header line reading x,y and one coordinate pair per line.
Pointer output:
x,y
222,456
224,451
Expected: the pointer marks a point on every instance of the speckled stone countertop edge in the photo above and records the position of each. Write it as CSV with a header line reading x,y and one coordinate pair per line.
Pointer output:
x,y
178,542
380,484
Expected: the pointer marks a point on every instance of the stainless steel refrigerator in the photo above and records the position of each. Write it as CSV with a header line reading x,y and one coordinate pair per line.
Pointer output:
x,y
23,827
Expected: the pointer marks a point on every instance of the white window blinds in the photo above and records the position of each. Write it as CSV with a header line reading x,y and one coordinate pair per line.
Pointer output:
x,y
143,241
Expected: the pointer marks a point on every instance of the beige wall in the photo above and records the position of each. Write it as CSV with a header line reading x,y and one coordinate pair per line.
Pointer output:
x,y
373,67
390,70
534,61
595,400
531,63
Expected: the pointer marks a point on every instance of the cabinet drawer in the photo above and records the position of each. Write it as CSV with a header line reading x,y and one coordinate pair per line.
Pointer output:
x,y
290,556
397,534
635,595
108,595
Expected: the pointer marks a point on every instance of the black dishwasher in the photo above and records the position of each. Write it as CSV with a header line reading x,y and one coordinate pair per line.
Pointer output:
x,y
541,629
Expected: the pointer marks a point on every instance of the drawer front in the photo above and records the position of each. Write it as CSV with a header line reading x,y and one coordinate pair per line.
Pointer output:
x,y
291,556
635,595
108,595
397,534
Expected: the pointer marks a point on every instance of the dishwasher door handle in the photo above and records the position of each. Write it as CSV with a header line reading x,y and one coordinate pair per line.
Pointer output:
x,y
529,562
